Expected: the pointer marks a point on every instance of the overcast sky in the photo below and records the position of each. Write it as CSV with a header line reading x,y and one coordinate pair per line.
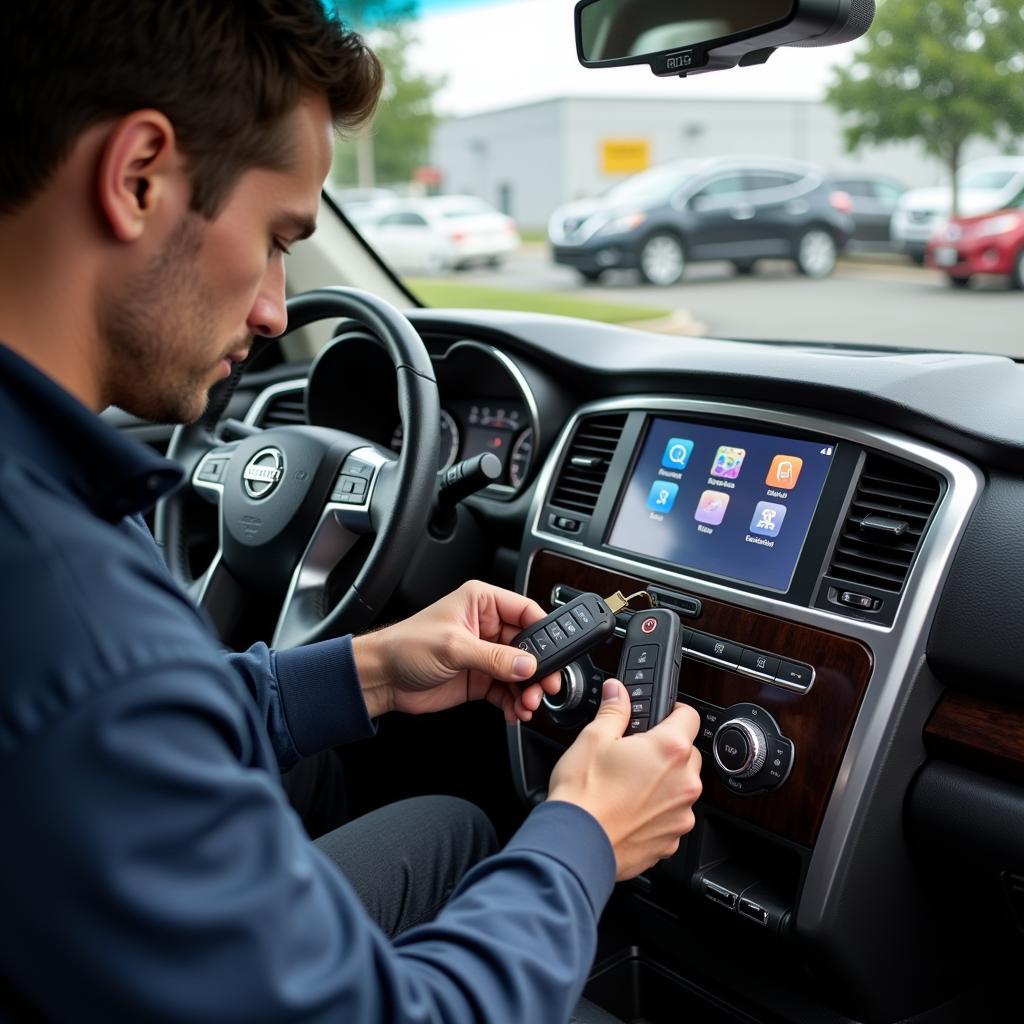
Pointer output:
x,y
499,53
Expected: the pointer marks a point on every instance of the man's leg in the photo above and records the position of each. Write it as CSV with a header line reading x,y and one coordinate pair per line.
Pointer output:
x,y
404,860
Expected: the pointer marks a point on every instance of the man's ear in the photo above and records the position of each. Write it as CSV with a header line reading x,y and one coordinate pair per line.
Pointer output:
x,y
140,174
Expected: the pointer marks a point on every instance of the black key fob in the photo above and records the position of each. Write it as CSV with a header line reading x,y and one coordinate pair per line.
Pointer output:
x,y
651,655
569,631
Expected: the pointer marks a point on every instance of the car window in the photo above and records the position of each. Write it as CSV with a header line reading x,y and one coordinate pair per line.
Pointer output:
x,y
728,184
404,218
887,190
855,186
989,180
761,180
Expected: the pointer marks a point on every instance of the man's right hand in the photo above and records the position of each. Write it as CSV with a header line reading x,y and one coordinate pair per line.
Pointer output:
x,y
640,788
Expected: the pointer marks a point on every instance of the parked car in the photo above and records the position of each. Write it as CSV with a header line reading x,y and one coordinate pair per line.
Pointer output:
x,y
691,211
874,197
439,233
990,244
984,186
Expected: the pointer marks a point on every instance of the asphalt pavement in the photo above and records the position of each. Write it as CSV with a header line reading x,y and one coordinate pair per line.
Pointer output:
x,y
868,300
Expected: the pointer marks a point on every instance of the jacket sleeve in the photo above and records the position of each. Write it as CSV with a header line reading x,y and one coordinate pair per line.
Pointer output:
x,y
162,872
310,697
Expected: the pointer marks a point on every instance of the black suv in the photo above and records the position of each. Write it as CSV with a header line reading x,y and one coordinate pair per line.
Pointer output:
x,y
740,210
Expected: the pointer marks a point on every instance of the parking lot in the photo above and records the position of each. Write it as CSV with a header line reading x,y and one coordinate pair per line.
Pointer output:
x,y
876,300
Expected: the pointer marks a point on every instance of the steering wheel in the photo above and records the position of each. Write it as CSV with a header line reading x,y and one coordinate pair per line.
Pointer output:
x,y
294,500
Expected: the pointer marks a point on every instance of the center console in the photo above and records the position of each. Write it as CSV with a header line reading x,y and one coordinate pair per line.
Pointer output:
x,y
803,555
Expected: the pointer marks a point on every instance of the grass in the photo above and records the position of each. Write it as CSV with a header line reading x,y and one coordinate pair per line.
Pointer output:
x,y
454,294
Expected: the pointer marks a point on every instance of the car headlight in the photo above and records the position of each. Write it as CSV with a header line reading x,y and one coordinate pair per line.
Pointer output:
x,y
620,225
997,225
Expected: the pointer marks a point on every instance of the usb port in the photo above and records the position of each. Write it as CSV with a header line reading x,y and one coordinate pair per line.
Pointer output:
x,y
748,908
719,895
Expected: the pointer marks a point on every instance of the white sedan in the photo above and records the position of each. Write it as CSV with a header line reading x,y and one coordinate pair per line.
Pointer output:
x,y
439,233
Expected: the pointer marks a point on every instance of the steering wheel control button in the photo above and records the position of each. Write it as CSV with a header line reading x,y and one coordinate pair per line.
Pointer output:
x,y
712,647
649,625
795,675
759,663
637,724
212,470
643,656
639,675
356,467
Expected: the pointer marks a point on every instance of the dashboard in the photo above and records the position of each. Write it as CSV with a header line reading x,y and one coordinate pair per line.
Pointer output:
x,y
838,531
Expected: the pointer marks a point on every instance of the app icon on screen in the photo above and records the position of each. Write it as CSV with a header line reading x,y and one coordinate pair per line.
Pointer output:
x,y
711,508
785,471
728,462
677,453
662,496
767,521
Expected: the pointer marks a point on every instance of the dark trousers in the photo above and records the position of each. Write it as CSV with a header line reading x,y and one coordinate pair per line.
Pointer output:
x,y
403,860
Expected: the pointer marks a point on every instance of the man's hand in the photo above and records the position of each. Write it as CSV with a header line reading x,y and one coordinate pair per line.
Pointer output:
x,y
640,788
452,652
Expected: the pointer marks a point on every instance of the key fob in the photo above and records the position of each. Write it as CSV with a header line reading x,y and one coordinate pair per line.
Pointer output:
x,y
569,631
651,655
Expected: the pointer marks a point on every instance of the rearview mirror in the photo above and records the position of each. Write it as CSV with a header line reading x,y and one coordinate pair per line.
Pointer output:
x,y
683,37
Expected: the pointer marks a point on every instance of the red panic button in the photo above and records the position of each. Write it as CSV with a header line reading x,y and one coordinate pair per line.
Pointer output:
x,y
648,625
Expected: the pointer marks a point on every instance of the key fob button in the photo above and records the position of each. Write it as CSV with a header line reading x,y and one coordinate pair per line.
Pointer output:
x,y
583,616
569,626
557,634
641,707
526,645
642,656
636,724
640,692
639,675
542,641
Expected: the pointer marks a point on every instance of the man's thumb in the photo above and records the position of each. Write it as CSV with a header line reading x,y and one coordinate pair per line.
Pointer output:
x,y
499,661
614,709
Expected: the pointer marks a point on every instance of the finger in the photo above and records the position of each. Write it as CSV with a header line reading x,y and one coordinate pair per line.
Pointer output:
x,y
683,718
613,713
515,609
495,661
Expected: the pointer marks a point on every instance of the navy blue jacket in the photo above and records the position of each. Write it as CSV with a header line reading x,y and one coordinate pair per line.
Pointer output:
x,y
151,866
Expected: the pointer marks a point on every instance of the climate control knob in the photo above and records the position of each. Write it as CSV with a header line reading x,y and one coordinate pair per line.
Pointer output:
x,y
571,692
740,748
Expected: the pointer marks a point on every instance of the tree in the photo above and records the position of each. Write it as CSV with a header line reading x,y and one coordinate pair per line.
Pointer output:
x,y
401,131
939,71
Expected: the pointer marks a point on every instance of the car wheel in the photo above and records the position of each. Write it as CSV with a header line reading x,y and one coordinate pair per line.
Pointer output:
x,y
662,260
958,282
591,276
1017,277
917,258
744,267
494,262
816,253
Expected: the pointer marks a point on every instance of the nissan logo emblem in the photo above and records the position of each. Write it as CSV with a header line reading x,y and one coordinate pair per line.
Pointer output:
x,y
263,472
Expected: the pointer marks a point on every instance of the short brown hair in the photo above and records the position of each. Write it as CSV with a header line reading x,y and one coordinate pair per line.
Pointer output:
x,y
226,73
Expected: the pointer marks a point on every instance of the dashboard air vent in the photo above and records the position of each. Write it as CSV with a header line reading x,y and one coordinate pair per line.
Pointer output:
x,y
586,463
889,513
285,409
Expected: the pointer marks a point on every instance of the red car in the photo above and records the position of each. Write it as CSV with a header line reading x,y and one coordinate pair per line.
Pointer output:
x,y
992,243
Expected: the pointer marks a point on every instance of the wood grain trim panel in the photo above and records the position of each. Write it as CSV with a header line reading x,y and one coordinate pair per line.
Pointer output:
x,y
978,732
818,722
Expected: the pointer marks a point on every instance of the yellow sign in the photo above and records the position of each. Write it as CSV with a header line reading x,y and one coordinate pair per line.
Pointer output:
x,y
625,156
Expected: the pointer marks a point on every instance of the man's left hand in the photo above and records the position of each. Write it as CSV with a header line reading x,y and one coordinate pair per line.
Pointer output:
x,y
454,651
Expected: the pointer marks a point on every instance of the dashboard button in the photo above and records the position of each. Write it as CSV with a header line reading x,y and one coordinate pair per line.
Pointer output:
x,y
643,656
794,674
733,750
713,647
763,664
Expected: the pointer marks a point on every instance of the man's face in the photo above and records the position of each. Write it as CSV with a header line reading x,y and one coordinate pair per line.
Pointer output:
x,y
172,329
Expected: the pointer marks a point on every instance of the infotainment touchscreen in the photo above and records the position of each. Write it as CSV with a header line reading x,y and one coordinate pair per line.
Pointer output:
x,y
727,502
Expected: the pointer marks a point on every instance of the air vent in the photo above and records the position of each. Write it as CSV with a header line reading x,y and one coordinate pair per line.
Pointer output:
x,y
285,409
883,529
586,463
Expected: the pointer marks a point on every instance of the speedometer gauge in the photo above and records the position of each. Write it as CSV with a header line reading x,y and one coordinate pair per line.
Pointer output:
x,y
519,458
450,439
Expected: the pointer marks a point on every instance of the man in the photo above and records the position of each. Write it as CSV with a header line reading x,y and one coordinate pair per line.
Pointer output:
x,y
160,156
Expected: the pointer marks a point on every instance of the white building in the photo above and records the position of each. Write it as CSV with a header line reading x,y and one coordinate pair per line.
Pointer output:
x,y
529,159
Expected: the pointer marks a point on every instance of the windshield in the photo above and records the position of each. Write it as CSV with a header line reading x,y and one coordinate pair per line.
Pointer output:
x,y
810,199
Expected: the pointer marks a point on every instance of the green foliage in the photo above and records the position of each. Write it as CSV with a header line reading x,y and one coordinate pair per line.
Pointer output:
x,y
939,71
401,131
